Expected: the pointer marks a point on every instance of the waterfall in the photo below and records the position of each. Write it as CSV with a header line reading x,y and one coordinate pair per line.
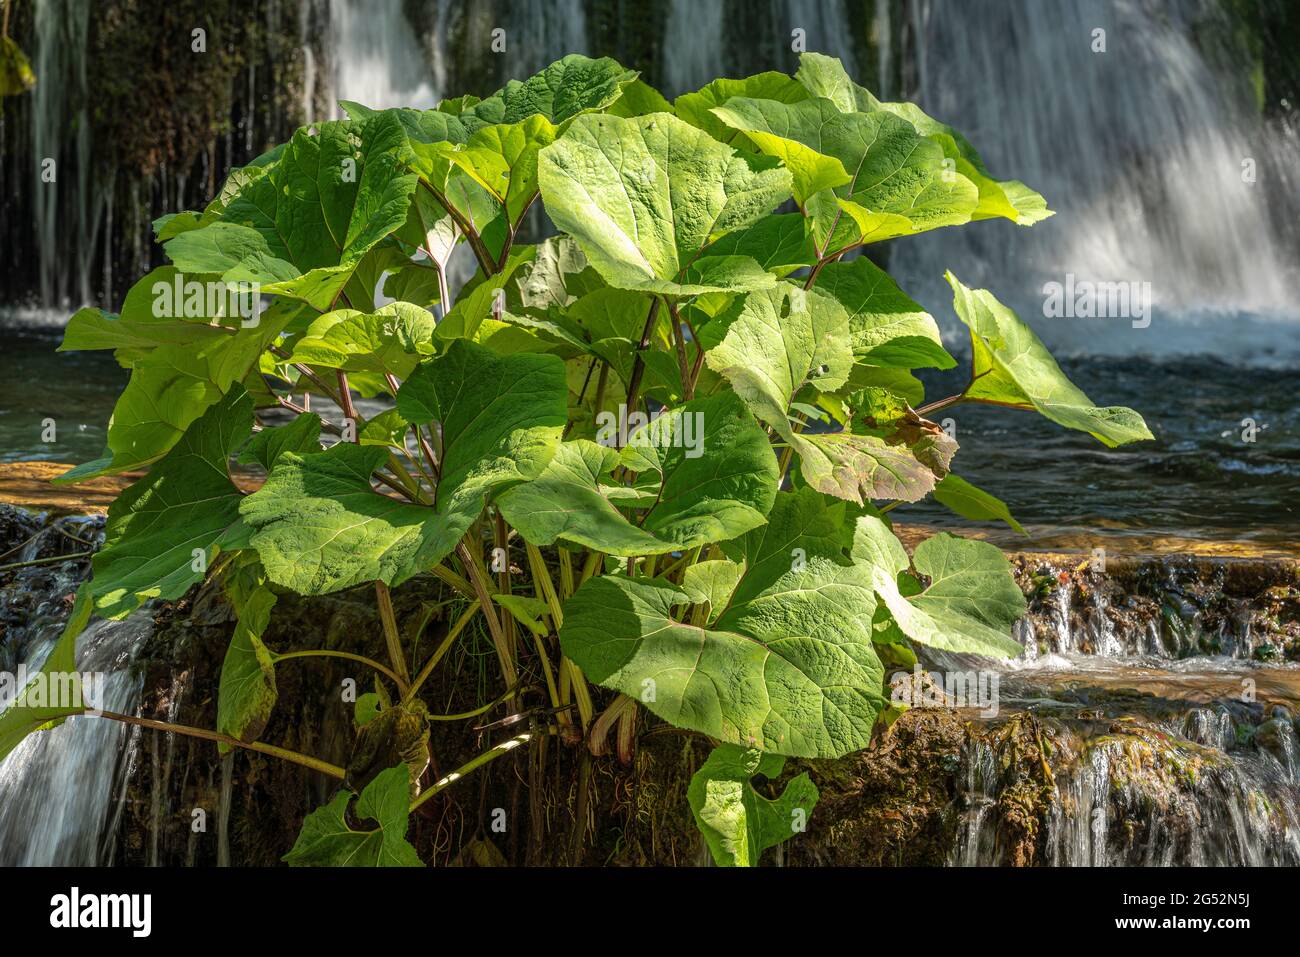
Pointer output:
x,y
1151,152
59,789
692,45
61,136
375,57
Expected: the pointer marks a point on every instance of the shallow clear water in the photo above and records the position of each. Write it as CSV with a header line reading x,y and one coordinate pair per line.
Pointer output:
x,y
1197,480
75,389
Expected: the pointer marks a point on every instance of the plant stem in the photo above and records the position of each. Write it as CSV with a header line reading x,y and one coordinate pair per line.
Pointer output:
x,y
45,561
638,364
446,575
465,715
345,396
324,653
391,636
306,760
443,648
505,654
505,747
940,404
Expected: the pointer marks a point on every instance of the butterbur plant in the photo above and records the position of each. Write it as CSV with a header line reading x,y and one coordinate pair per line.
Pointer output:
x,y
721,560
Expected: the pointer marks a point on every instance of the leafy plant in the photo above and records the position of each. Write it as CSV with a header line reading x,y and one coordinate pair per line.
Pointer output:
x,y
686,415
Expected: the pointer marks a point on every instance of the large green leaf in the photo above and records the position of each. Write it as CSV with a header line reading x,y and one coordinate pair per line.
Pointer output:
x,y
791,670
247,692
391,340
737,822
971,600
802,524
570,86
644,196
780,243
164,530
151,317
172,385
894,172
327,840
1011,366
576,500
695,108
825,76
56,691
320,526
886,327
302,229
716,468
722,492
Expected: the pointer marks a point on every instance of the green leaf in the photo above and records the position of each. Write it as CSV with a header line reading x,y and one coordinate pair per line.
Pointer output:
x,y
793,137
528,611
16,74
477,300
367,709
387,428
893,170
644,196
570,86
971,600
696,500
265,447
737,822
638,99
971,502
791,671
170,387
711,583
716,467
56,691
151,316
327,840
164,531
247,693
392,340
572,501
320,527
696,108
302,229
555,278
780,243
776,342
803,524
886,327
503,160
825,76
1011,366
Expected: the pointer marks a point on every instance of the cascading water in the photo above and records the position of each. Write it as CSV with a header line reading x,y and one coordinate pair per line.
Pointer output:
x,y
60,790
1160,730
1152,153
65,202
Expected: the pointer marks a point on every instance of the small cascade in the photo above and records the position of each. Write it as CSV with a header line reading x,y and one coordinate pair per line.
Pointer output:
x,y
60,789
1126,793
